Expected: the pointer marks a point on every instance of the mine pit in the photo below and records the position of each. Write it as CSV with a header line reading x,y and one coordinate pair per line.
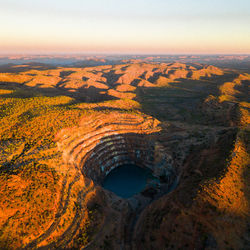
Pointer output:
x,y
125,165
121,154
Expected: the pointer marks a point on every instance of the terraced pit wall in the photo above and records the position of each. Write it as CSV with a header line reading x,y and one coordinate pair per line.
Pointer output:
x,y
112,141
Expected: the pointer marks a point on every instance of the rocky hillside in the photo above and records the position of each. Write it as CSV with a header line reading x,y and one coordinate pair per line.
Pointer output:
x,y
62,130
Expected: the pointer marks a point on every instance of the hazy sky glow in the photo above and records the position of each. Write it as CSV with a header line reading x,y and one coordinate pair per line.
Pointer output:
x,y
119,26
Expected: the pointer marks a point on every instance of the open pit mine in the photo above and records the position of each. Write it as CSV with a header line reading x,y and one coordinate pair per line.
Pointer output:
x,y
129,156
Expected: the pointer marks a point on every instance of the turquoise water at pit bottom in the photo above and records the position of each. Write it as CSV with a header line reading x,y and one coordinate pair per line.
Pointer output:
x,y
128,180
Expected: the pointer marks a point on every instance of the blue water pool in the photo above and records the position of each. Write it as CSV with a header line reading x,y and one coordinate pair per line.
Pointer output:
x,y
128,180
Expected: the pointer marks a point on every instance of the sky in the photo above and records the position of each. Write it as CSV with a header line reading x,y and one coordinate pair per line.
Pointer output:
x,y
125,26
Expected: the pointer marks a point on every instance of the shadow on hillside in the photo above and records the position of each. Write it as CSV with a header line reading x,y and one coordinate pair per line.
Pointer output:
x,y
87,95
211,162
111,77
243,90
180,100
14,68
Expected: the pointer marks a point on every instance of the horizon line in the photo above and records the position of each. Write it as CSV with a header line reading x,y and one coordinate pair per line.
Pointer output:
x,y
115,54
